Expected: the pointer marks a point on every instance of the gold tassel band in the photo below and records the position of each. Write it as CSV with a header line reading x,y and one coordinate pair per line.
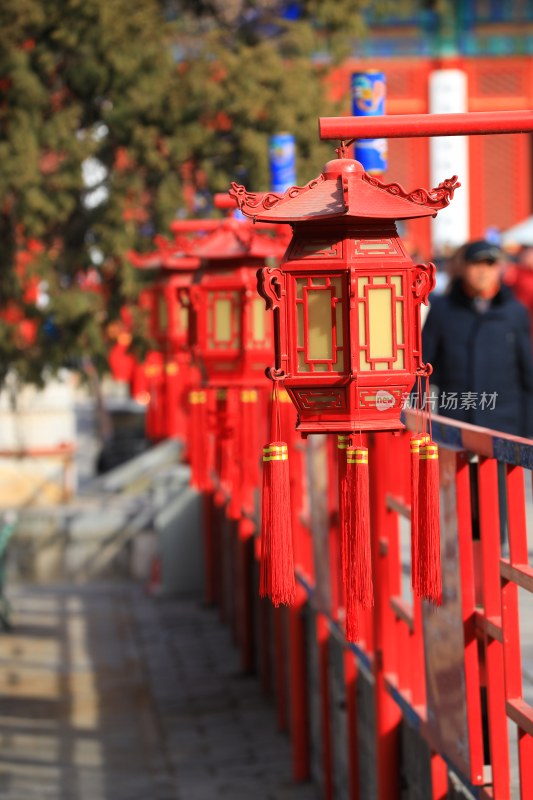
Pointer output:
x,y
275,452
196,398
283,396
357,455
249,396
172,369
343,441
429,452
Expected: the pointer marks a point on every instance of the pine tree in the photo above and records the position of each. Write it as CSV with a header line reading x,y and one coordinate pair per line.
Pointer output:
x,y
111,114
249,70
85,90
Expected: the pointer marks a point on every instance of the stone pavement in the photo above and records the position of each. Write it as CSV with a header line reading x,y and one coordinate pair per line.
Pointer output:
x,y
107,694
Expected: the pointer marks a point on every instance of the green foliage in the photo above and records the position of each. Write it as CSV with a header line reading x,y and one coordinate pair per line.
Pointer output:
x,y
80,80
166,98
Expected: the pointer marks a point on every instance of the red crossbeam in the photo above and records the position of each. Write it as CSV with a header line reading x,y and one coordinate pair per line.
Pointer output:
x,y
396,125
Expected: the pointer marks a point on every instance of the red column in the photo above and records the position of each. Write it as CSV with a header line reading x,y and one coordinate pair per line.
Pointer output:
x,y
350,681
299,723
322,634
388,714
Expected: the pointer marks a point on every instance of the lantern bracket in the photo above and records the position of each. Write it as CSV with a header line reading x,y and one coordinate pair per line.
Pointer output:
x,y
190,296
271,286
275,374
424,370
352,287
184,297
424,281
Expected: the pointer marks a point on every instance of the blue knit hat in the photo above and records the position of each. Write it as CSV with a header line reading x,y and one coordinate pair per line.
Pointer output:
x,y
481,250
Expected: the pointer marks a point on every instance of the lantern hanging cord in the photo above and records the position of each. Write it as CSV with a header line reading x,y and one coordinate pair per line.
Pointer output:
x,y
341,150
419,414
276,414
428,404
359,420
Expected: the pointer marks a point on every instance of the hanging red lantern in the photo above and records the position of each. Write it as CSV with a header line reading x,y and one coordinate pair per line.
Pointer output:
x,y
231,337
346,302
169,269
346,298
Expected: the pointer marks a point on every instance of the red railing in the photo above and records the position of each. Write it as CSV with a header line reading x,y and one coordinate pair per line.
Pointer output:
x,y
453,673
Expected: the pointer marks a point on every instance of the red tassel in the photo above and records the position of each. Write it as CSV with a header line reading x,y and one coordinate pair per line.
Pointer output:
x,y
416,441
250,423
429,564
234,510
277,562
344,516
352,619
247,446
198,444
359,585
223,447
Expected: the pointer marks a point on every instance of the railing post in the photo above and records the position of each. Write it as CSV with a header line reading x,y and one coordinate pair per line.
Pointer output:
x,y
490,547
209,549
388,714
299,723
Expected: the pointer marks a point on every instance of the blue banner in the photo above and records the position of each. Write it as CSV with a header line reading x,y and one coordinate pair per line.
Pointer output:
x,y
282,157
368,100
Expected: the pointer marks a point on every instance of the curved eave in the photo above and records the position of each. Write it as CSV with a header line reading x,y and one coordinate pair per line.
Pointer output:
x,y
229,248
355,216
355,196
184,263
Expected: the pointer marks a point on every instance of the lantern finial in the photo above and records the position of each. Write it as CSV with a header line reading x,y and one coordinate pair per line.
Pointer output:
x,y
342,149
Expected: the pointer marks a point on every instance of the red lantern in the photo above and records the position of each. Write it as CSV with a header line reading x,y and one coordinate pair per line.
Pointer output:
x,y
346,298
231,335
169,325
346,303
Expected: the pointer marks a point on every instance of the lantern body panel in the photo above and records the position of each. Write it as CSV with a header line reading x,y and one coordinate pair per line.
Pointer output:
x,y
348,316
169,318
231,333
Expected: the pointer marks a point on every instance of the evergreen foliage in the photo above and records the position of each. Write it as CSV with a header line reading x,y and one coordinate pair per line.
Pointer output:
x,y
116,116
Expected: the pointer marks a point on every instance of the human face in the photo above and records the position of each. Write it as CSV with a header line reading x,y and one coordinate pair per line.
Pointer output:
x,y
482,278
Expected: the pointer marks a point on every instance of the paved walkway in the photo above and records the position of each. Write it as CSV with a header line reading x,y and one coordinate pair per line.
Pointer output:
x,y
106,694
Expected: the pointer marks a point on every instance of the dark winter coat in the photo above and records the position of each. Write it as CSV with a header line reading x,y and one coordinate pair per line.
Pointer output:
x,y
484,357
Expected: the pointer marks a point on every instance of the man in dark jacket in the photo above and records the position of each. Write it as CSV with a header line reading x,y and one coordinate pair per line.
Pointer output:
x,y
477,337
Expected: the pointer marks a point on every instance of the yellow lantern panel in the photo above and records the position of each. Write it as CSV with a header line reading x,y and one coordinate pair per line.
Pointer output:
x,y
381,322
223,320
319,328
320,303
183,316
258,322
162,313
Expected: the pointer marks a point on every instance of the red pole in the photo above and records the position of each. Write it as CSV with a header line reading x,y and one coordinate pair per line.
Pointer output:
x,y
244,583
280,655
322,638
396,125
388,714
439,777
299,723
209,549
350,680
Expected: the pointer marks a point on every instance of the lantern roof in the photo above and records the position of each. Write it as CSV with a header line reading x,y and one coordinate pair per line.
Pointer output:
x,y
238,239
163,261
343,190
169,255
